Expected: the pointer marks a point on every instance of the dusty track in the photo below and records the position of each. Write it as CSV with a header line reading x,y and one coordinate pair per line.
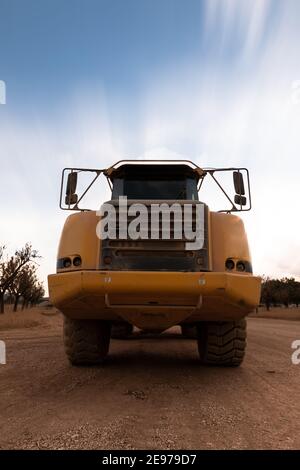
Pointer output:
x,y
151,393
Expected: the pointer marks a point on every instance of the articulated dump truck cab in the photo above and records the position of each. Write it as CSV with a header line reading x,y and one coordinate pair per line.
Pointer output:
x,y
155,256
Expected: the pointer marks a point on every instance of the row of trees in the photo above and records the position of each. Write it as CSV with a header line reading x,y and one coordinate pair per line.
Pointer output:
x,y
18,279
285,291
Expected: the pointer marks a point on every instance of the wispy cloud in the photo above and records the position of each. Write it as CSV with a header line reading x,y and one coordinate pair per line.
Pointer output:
x,y
243,22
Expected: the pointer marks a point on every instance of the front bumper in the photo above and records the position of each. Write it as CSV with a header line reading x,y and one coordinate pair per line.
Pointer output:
x,y
154,299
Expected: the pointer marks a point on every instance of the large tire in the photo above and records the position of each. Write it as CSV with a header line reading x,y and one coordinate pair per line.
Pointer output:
x,y
86,341
121,330
222,343
189,331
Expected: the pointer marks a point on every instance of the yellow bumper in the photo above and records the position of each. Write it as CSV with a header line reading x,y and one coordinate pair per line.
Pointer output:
x,y
154,299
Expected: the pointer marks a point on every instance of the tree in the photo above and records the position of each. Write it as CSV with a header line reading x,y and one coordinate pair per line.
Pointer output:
x,y
34,295
23,284
267,292
10,269
296,295
283,291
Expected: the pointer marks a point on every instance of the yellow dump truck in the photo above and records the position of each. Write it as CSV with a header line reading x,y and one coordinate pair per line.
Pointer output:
x,y
154,256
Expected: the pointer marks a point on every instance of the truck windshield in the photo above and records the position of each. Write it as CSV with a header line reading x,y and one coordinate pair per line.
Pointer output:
x,y
155,189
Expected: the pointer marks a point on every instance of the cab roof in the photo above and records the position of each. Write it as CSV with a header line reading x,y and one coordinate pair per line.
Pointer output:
x,y
154,170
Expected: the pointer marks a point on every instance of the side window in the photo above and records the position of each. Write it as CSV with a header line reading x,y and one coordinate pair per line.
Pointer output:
x,y
191,189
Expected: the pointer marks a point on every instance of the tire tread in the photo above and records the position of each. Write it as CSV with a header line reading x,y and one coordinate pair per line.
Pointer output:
x,y
222,343
86,341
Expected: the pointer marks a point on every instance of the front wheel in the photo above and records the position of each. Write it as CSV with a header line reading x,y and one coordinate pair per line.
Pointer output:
x,y
222,343
86,341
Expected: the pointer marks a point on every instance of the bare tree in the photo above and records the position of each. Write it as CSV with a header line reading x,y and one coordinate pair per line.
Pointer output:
x,y
23,284
9,269
34,295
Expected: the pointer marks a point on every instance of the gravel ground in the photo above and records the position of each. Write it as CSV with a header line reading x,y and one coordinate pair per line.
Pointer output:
x,y
151,393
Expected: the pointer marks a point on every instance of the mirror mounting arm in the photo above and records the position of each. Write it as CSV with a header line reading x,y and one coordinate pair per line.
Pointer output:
x,y
98,173
77,170
223,191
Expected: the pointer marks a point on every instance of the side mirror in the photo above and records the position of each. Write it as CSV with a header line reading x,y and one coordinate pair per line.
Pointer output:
x,y
238,181
75,184
71,196
239,187
240,200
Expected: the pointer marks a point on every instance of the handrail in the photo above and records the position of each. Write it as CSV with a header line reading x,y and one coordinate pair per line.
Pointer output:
x,y
137,162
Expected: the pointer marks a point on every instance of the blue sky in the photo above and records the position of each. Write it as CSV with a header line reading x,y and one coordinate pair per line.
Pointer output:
x,y
48,47
90,82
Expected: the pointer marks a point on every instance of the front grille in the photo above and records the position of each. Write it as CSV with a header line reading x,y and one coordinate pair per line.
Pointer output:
x,y
155,254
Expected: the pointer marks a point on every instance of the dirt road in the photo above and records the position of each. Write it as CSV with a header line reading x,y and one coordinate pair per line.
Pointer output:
x,y
151,393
